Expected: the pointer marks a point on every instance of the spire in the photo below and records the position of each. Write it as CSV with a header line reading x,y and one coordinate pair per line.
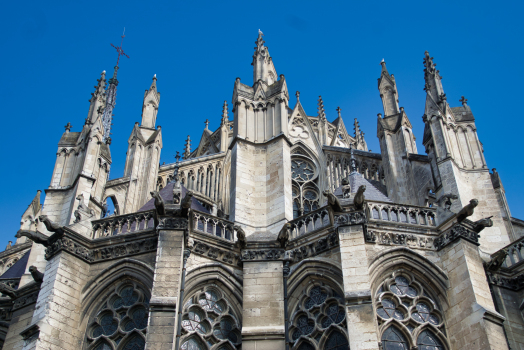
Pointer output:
x,y
388,91
433,85
99,88
150,105
320,109
153,84
107,117
225,118
358,133
187,148
263,68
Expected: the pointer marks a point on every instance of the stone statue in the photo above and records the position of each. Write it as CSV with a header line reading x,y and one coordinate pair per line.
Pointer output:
x,y
51,226
159,203
467,210
37,275
283,235
40,238
482,224
446,200
358,201
497,259
10,292
333,201
346,188
241,236
186,202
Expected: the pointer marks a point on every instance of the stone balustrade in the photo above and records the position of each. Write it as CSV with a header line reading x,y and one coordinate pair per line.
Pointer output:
x,y
312,221
380,211
212,225
515,253
120,224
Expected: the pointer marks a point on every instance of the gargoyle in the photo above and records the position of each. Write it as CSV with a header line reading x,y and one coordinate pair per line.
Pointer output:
x,y
241,236
37,237
37,275
186,202
446,200
497,259
482,224
358,201
283,235
51,226
159,203
333,201
10,292
467,210
346,188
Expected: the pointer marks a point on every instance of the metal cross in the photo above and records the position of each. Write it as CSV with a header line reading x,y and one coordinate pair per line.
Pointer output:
x,y
119,48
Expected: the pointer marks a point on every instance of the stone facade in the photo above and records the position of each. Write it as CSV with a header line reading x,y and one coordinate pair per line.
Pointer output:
x,y
279,230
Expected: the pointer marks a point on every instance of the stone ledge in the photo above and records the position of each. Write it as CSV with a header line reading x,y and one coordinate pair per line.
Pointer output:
x,y
358,297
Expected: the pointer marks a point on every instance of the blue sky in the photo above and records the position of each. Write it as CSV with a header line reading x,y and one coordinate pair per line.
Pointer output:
x,y
53,52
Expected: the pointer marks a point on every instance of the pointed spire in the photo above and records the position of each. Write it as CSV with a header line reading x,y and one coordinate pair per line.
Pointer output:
x,y
321,111
433,84
153,84
225,118
99,88
357,129
187,148
384,69
260,41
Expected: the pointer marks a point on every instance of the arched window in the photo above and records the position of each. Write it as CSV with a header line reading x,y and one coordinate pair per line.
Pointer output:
x,y
319,320
208,320
402,299
121,319
393,339
305,190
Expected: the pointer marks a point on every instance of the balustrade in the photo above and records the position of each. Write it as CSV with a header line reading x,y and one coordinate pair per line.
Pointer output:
x,y
402,214
310,222
213,225
121,224
515,253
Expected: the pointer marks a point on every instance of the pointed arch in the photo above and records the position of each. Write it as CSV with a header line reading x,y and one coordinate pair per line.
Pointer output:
x,y
394,339
335,338
133,341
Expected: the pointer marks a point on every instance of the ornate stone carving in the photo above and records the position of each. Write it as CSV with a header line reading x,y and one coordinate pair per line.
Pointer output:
x,y
515,283
173,223
214,253
454,233
333,202
25,300
266,254
393,238
467,210
353,218
314,248
358,201
37,275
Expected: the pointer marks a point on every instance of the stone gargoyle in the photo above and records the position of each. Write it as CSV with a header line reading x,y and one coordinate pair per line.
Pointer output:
x,y
467,210
482,224
497,259
9,291
283,235
359,199
333,202
40,238
241,236
446,200
37,275
159,203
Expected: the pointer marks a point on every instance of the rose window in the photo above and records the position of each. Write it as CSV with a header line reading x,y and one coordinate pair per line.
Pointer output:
x,y
209,320
302,170
122,319
319,320
401,298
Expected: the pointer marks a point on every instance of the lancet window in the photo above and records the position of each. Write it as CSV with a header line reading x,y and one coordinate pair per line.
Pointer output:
x,y
408,315
209,321
304,174
121,320
319,320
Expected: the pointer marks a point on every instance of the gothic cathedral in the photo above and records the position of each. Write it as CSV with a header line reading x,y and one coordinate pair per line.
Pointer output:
x,y
278,230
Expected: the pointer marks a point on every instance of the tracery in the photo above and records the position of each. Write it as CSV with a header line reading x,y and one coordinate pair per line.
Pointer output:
x,y
319,320
305,191
122,318
408,315
210,321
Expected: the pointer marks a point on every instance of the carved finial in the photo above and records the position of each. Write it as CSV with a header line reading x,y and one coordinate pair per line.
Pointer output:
x,y
338,111
225,117
68,127
464,101
187,148
207,123
357,129
297,94
177,157
260,41
379,115
321,112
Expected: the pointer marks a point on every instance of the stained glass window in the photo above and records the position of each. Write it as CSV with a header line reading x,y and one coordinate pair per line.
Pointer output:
x,y
319,310
208,319
402,298
121,316
305,191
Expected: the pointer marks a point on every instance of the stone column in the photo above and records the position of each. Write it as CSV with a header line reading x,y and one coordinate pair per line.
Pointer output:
x,y
165,301
471,319
263,316
361,320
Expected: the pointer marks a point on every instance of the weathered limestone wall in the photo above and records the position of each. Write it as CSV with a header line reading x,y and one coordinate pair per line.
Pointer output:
x,y
471,319
362,324
261,186
509,305
58,307
20,320
263,315
166,289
